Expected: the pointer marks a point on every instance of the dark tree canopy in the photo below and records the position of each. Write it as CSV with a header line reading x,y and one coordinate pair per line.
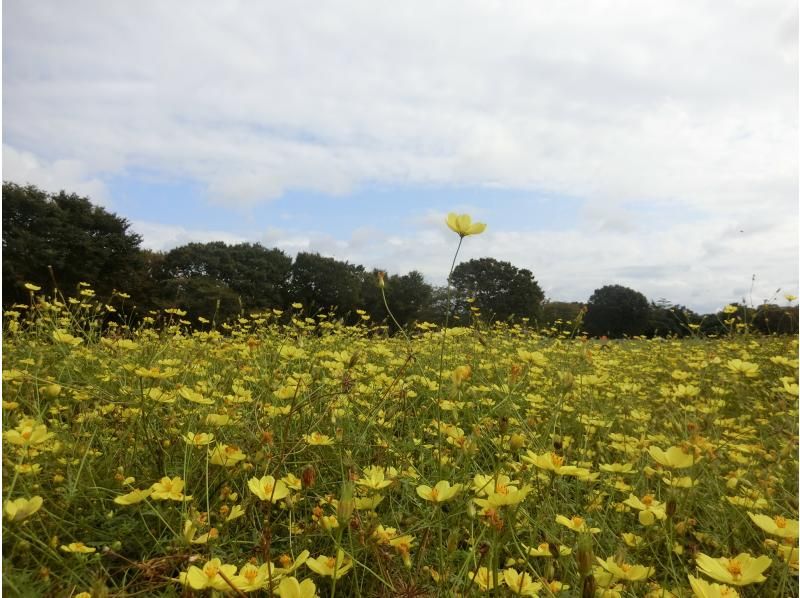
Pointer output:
x,y
500,290
565,311
616,311
255,274
81,242
408,296
321,283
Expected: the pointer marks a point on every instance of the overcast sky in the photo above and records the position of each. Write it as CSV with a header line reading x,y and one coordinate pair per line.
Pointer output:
x,y
646,143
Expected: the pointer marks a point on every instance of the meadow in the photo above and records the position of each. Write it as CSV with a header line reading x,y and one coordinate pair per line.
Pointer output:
x,y
290,454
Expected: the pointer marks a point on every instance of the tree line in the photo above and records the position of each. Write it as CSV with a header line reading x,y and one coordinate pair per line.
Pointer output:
x,y
61,240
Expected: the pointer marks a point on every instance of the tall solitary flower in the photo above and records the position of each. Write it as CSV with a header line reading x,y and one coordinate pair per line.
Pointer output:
x,y
462,225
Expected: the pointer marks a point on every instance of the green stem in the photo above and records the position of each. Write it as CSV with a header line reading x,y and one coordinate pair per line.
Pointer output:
x,y
441,356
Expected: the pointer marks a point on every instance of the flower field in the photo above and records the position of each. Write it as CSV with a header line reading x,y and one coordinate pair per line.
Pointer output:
x,y
292,454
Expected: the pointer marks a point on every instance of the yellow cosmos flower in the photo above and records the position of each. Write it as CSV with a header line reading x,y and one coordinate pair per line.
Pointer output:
x,y
441,492
543,550
210,576
198,440
226,455
777,526
741,570
503,495
267,488
32,287
649,508
674,457
317,439
375,479
704,589
21,508
577,524
78,547
133,497
744,368
521,584
169,489
289,587
252,578
64,337
462,225
28,433
625,571
555,463
329,566
484,579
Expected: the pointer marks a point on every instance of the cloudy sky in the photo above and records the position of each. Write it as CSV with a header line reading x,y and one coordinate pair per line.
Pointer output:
x,y
650,144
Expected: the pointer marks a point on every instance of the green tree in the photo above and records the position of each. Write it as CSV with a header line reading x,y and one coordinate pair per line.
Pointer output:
x,y
565,311
500,290
253,273
321,283
616,311
80,241
408,296
667,319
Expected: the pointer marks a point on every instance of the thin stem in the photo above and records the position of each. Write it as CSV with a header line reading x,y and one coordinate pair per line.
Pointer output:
x,y
441,355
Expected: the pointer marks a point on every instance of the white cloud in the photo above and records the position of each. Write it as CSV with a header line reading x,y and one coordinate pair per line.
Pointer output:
x,y
163,237
72,176
687,101
692,104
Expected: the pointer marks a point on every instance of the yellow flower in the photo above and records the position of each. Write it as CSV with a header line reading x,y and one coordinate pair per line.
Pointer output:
x,y
777,526
133,497
252,578
521,584
674,457
291,588
543,550
704,589
32,287
577,524
625,571
649,508
741,570
236,512
209,576
501,494
329,566
62,336
226,455
28,433
317,439
484,579
555,463
197,440
441,492
267,488
745,368
375,479
462,225
169,489
78,547
22,508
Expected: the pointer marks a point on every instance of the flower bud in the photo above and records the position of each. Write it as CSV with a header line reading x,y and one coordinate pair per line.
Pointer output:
x,y
347,504
585,555
589,587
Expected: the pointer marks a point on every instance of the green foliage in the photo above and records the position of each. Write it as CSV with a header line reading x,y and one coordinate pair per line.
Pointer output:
x,y
253,273
80,241
616,311
321,282
408,295
500,290
566,311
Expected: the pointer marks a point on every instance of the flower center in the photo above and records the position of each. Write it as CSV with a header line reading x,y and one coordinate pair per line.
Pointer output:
x,y
780,521
501,488
647,499
557,460
577,521
331,563
434,494
735,568
210,571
